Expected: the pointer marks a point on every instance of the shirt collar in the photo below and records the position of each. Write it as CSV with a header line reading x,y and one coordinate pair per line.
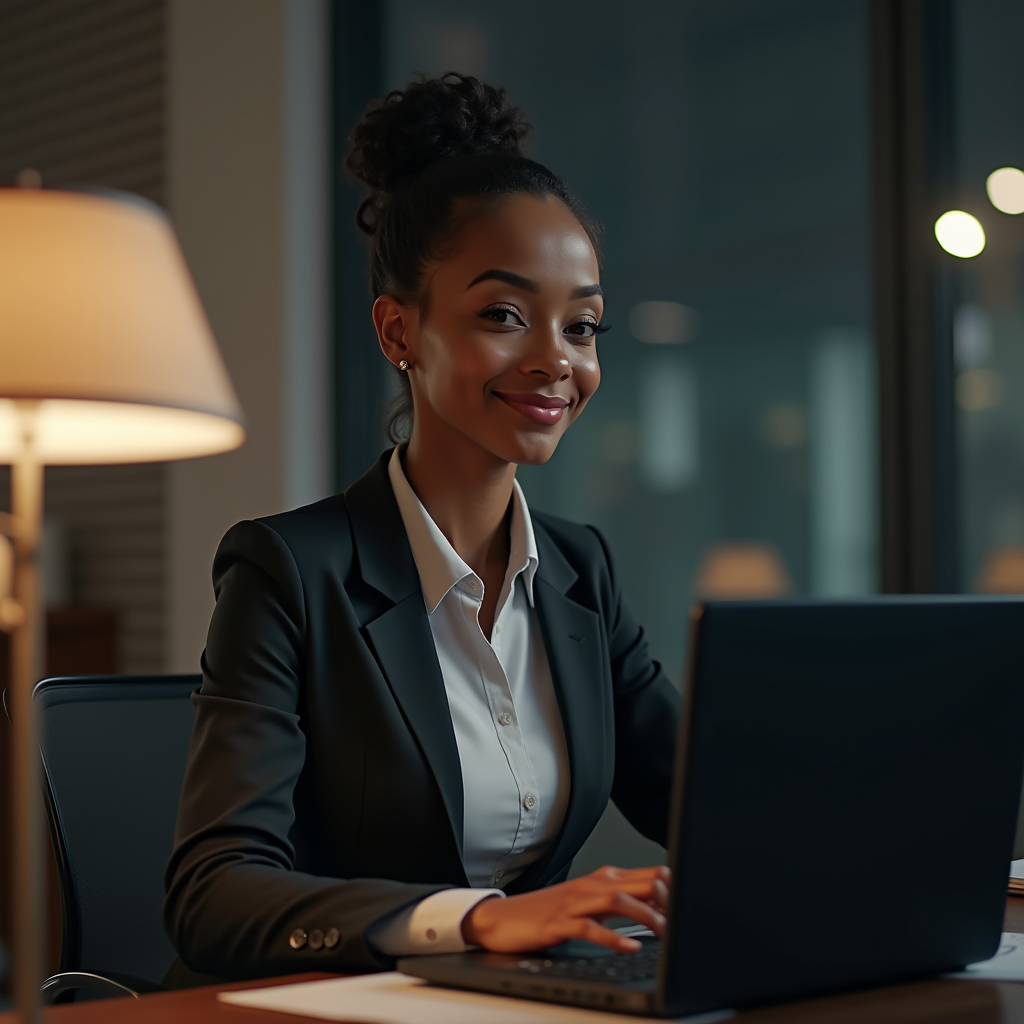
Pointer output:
x,y
439,565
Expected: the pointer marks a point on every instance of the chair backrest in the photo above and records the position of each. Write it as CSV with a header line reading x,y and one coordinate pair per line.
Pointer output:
x,y
114,751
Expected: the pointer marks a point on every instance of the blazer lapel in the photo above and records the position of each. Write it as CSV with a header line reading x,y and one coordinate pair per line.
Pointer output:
x,y
400,637
574,640
404,647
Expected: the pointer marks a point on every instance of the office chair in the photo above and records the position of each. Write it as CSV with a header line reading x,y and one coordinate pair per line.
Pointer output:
x,y
114,750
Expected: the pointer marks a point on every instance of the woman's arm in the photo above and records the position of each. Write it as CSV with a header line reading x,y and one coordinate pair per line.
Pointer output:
x,y
235,906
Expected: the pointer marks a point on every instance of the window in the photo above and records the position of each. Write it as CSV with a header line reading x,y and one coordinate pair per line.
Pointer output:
x,y
730,449
988,293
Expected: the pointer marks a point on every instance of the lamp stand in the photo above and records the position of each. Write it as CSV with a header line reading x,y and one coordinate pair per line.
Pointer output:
x,y
26,660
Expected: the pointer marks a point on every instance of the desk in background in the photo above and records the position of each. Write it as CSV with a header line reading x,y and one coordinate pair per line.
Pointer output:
x,y
952,1002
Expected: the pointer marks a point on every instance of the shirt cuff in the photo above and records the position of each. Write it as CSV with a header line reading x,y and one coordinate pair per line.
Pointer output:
x,y
434,925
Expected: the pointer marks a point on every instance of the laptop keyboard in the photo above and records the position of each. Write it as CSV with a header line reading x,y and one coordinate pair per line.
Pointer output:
x,y
628,967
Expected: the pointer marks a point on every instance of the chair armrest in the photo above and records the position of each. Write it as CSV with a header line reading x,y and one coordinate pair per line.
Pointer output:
x,y
57,988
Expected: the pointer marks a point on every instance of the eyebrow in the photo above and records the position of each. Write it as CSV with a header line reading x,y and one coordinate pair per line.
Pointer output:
x,y
526,285
516,280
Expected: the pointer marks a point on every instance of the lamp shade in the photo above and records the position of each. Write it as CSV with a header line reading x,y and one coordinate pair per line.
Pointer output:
x,y
100,324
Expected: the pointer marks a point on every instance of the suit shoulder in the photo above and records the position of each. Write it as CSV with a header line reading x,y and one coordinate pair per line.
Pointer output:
x,y
322,514
318,531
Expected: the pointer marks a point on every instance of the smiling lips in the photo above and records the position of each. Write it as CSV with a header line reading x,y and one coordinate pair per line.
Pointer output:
x,y
539,408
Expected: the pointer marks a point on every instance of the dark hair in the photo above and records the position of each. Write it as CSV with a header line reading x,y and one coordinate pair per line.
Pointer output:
x,y
419,150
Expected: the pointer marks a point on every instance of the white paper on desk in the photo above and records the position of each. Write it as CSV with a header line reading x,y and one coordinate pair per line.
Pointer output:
x,y
1006,965
394,998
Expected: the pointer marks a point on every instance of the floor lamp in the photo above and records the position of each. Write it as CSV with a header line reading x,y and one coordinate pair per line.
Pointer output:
x,y
105,357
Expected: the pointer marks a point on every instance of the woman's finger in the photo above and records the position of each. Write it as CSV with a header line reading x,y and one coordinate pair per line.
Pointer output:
x,y
618,904
611,873
660,896
643,889
590,931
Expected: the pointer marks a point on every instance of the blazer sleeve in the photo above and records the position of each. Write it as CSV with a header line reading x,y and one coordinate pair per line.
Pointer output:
x,y
233,897
647,709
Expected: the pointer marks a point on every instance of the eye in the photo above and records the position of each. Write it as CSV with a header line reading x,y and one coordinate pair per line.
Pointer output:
x,y
505,316
585,330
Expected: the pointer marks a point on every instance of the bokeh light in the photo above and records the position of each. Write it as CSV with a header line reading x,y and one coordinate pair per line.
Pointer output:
x,y
978,390
663,323
960,234
1005,189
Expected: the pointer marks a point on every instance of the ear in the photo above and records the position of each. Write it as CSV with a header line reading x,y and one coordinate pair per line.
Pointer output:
x,y
396,328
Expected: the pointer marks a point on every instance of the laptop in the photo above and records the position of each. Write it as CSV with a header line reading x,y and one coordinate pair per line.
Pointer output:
x,y
845,798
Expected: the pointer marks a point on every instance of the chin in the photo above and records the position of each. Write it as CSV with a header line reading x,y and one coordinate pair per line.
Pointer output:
x,y
530,451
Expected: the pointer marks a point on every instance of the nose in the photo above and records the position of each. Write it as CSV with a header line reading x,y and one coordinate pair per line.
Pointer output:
x,y
546,356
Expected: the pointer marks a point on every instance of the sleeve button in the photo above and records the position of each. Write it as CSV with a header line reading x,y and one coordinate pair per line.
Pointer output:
x,y
297,939
316,939
431,935
332,938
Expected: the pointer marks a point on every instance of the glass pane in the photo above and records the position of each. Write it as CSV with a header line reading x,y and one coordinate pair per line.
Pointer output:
x,y
731,448
988,327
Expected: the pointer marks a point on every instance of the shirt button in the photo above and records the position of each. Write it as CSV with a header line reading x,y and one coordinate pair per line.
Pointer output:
x,y
497,628
471,584
431,935
529,801
297,939
505,718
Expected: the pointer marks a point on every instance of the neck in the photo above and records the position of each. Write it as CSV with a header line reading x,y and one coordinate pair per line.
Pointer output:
x,y
467,491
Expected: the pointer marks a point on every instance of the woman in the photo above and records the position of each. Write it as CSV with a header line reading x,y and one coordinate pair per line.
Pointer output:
x,y
418,696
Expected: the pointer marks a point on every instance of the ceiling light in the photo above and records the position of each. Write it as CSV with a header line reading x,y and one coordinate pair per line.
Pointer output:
x,y
960,234
1005,189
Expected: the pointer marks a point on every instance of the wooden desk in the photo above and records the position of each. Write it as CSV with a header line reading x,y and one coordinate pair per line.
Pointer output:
x,y
925,1002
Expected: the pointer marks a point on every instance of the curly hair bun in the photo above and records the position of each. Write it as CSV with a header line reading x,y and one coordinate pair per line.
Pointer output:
x,y
431,120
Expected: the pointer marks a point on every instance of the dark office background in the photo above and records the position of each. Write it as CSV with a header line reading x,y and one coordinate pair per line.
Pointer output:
x,y
802,392
784,405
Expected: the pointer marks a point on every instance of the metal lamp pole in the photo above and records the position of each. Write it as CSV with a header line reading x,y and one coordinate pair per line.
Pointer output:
x,y
26,650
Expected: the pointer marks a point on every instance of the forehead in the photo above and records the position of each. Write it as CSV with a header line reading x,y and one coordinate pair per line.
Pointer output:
x,y
539,238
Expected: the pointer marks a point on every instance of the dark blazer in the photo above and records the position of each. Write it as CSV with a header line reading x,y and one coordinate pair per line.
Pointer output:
x,y
324,789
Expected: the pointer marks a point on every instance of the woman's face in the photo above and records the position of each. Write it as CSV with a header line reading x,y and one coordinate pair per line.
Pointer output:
x,y
503,351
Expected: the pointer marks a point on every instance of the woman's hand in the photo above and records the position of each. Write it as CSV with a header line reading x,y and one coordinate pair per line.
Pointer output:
x,y
572,910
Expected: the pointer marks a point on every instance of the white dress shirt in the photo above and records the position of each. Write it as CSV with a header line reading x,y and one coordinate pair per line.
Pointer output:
x,y
508,729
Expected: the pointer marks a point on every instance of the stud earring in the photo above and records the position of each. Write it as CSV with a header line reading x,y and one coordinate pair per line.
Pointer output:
x,y
403,364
